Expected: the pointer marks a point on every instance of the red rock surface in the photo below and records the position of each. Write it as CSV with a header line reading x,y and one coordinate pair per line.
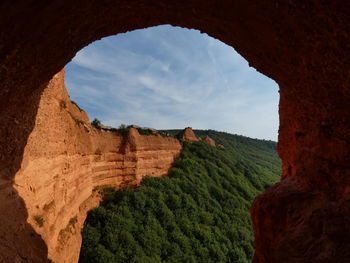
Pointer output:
x,y
189,136
302,45
65,159
209,141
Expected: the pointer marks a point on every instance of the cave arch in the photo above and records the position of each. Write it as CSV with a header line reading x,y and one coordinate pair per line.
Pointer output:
x,y
301,45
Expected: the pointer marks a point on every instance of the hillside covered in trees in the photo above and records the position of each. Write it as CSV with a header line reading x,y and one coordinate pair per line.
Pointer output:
x,y
198,213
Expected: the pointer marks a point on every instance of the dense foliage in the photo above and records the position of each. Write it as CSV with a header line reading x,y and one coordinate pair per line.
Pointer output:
x,y
124,129
198,213
96,123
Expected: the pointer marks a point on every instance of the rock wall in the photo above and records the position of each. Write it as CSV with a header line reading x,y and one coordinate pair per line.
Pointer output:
x,y
66,160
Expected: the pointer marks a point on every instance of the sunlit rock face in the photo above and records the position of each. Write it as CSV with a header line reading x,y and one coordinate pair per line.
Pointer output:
x,y
66,160
209,141
189,135
302,45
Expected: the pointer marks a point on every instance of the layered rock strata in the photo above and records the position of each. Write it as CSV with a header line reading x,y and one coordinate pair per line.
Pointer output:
x,y
66,160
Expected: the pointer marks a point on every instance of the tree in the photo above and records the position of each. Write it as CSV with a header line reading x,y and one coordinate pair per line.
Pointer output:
x,y
96,123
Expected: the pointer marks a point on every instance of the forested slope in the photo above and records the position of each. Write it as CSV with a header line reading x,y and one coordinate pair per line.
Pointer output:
x,y
198,213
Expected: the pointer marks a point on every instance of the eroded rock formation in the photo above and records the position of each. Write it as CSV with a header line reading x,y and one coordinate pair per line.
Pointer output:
x,y
188,135
209,141
66,160
302,45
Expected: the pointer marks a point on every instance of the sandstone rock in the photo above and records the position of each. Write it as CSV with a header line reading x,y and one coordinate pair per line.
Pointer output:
x,y
63,163
209,141
291,216
189,136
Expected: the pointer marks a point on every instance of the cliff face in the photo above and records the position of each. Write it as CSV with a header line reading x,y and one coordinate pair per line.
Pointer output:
x,y
65,159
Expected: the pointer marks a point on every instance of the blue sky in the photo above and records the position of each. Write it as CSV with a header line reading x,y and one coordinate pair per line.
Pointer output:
x,y
169,77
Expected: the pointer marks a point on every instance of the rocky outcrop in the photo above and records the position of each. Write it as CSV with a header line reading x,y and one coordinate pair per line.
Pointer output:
x,y
66,160
189,136
209,141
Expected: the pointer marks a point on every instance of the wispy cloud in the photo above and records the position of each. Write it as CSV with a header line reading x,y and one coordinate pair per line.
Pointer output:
x,y
169,77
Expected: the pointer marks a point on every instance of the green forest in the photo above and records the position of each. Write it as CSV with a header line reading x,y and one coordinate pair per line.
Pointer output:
x,y
198,213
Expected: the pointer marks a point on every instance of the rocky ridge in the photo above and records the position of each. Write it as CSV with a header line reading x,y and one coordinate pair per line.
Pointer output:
x,y
66,161
188,135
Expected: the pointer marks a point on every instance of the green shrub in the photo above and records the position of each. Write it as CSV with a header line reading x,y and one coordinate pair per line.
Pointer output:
x,y
146,131
96,123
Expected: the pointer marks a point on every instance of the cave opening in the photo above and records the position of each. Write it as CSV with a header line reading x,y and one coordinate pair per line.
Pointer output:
x,y
169,78
301,45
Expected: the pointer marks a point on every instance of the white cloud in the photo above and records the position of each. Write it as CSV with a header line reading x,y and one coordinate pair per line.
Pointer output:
x,y
166,77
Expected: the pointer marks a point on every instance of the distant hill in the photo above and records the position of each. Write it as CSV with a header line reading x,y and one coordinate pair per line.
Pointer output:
x,y
198,213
